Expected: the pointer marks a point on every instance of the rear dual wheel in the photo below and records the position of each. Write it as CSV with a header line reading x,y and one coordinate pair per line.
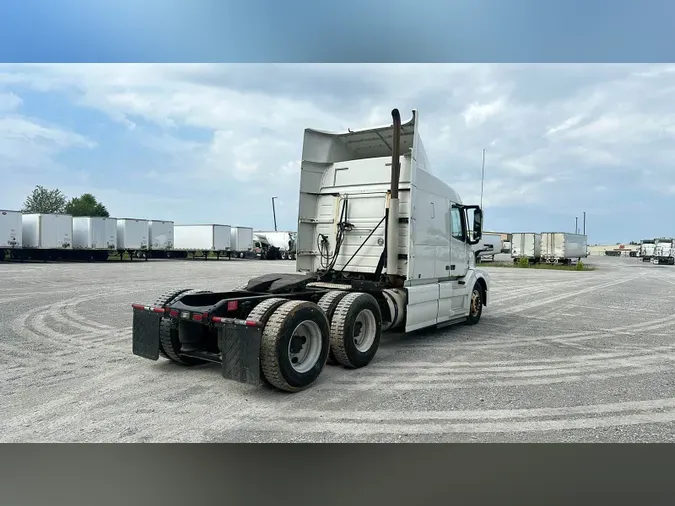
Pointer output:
x,y
295,345
356,329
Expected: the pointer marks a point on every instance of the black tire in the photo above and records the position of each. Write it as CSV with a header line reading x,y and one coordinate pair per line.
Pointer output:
x,y
345,326
329,303
261,314
475,304
169,344
276,341
162,301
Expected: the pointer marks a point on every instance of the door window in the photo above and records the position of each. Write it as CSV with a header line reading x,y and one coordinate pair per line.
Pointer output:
x,y
456,224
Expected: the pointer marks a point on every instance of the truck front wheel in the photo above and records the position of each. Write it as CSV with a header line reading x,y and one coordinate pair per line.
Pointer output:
x,y
475,305
356,329
295,344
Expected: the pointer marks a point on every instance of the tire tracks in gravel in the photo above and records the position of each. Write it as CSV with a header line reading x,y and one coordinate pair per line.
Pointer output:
x,y
474,421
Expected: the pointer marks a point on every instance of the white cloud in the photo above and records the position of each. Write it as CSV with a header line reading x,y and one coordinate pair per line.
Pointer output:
x,y
9,102
27,143
476,114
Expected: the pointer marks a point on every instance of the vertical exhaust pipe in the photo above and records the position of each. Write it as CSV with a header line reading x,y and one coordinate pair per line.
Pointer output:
x,y
392,219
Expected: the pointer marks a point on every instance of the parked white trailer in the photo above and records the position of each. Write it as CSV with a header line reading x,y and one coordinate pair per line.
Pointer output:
x,y
160,235
132,236
10,232
46,236
383,244
201,238
242,240
526,245
563,247
94,237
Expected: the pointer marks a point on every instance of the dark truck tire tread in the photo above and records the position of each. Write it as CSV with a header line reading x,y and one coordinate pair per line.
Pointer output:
x,y
329,303
261,314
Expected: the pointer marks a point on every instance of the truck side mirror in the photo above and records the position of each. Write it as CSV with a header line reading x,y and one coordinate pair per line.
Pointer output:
x,y
476,233
477,224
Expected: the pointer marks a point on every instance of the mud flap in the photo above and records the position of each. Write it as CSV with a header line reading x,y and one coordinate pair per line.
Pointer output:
x,y
240,351
146,334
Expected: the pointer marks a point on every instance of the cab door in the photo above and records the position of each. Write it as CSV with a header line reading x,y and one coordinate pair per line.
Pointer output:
x,y
459,249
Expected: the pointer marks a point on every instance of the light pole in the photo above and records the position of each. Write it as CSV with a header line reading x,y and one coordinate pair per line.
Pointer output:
x,y
584,222
274,213
576,225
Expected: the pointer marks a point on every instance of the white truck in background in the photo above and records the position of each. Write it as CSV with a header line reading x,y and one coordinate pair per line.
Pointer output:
x,y
664,252
489,245
382,244
647,248
282,242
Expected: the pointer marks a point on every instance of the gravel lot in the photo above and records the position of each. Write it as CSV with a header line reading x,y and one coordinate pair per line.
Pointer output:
x,y
558,356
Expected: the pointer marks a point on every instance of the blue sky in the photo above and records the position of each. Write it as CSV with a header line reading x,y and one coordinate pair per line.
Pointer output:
x,y
213,143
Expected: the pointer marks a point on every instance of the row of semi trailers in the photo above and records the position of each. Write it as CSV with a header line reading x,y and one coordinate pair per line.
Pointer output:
x,y
547,247
62,236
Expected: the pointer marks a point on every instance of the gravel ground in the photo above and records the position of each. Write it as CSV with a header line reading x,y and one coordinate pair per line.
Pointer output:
x,y
557,356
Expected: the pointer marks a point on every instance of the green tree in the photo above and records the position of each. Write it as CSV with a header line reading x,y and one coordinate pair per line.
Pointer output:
x,y
42,200
86,205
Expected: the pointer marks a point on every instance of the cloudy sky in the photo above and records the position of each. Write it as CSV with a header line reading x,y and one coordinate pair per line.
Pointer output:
x,y
213,143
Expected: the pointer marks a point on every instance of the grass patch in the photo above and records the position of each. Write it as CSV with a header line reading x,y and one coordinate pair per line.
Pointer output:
x,y
523,263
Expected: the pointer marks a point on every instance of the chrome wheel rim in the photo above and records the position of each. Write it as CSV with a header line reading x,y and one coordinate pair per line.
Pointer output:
x,y
304,346
365,330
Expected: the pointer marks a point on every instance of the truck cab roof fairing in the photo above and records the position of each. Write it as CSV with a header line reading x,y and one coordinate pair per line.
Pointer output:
x,y
334,147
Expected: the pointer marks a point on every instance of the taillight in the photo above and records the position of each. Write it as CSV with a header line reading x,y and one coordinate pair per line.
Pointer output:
x,y
173,313
197,317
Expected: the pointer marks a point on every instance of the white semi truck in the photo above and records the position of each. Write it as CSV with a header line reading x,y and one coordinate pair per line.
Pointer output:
x,y
282,242
382,244
490,245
